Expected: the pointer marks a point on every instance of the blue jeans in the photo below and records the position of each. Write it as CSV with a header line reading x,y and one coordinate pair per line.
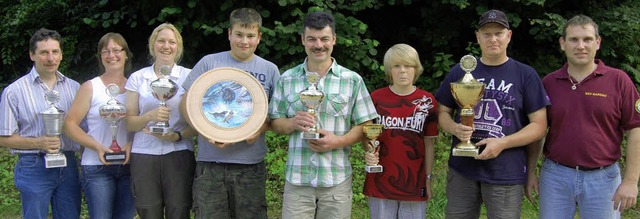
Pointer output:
x,y
40,186
107,190
563,188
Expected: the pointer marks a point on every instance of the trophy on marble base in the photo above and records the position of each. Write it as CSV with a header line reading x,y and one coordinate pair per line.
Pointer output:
x,y
372,131
163,89
467,92
311,98
53,118
113,111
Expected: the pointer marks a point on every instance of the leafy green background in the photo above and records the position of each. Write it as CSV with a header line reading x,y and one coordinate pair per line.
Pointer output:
x,y
441,30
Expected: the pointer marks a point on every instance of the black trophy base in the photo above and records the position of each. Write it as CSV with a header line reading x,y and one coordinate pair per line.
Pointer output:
x,y
115,157
55,160
373,169
161,130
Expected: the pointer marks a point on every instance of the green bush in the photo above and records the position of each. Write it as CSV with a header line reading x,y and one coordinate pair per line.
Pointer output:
x,y
9,196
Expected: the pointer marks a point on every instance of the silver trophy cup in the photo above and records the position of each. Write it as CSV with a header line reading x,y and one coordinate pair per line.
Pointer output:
x,y
311,98
53,117
163,89
113,111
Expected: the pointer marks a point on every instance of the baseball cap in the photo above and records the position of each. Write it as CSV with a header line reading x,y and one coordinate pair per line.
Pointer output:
x,y
494,16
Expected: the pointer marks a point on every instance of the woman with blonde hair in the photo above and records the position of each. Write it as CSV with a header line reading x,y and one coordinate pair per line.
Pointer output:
x,y
162,165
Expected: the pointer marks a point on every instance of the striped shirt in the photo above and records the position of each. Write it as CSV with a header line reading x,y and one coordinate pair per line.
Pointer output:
x,y
23,100
347,103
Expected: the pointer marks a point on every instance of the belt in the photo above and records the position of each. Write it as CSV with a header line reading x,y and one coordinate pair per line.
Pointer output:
x,y
230,164
31,154
39,153
581,168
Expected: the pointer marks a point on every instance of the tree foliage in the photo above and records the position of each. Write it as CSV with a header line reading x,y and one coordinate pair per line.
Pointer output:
x,y
441,31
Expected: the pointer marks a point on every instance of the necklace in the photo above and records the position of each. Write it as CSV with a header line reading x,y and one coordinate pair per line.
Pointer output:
x,y
574,86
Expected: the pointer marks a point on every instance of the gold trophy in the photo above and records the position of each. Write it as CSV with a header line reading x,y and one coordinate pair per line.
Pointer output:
x,y
311,98
467,92
372,131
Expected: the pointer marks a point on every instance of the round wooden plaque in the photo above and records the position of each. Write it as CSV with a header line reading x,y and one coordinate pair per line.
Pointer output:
x,y
227,105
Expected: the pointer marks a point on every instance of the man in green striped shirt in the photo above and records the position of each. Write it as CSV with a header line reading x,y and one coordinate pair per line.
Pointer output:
x,y
318,172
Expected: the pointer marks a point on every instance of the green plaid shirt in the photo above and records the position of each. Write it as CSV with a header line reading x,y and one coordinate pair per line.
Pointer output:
x,y
347,103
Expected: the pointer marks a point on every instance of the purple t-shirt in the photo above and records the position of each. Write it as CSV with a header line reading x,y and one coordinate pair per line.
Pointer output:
x,y
513,90
587,124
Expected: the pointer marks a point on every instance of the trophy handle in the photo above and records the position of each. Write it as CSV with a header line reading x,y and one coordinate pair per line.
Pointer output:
x,y
374,146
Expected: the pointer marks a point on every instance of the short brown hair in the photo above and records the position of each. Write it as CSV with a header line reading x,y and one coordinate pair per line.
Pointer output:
x,y
579,20
43,34
118,39
245,17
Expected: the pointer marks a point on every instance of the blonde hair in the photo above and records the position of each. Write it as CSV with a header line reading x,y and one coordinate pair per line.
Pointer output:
x,y
154,36
402,54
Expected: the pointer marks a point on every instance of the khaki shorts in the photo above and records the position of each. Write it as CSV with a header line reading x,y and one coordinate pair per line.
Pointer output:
x,y
301,202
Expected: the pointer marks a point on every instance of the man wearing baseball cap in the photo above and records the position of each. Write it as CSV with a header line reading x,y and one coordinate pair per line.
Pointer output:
x,y
494,16
510,116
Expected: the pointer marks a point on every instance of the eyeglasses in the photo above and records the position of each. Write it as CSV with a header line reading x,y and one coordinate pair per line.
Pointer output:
x,y
113,51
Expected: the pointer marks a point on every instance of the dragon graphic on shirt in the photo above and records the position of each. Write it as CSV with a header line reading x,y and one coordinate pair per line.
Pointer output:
x,y
415,121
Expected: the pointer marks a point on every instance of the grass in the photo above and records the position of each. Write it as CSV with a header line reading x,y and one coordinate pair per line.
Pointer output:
x,y
276,158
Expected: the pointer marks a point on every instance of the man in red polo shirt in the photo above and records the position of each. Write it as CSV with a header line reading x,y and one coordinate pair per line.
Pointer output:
x,y
592,107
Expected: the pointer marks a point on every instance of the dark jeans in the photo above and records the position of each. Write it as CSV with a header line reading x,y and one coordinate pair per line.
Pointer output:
x,y
465,197
161,184
223,190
